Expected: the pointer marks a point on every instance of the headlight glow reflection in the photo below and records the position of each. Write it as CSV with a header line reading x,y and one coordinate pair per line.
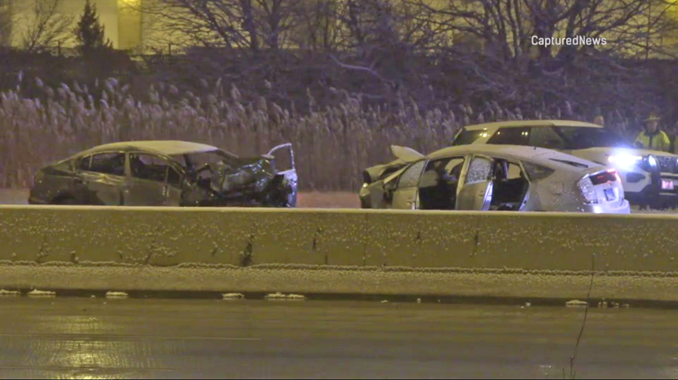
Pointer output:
x,y
624,160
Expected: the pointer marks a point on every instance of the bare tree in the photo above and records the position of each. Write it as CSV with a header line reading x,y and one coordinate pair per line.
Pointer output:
x,y
251,24
5,22
507,27
317,25
44,25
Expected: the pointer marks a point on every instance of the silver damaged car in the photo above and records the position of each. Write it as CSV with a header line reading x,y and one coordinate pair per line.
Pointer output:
x,y
493,177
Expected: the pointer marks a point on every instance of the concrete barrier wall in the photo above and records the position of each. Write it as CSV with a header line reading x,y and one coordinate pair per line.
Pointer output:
x,y
259,249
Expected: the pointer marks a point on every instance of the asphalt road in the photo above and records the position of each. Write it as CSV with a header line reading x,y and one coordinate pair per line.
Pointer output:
x,y
95,338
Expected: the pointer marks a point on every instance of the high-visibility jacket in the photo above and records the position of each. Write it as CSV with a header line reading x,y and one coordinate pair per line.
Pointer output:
x,y
653,141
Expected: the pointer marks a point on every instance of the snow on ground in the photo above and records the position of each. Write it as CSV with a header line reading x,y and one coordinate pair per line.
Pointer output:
x,y
280,296
116,295
290,283
41,293
233,296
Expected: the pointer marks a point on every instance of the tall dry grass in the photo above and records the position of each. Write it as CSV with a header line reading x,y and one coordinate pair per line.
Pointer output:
x,y
332,144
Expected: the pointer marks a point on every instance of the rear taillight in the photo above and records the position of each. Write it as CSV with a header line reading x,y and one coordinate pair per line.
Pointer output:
x,y
587,191
604,177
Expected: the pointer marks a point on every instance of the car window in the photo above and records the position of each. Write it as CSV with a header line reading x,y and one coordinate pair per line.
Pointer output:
x,y
181,159
546,137
107,163
173,177
584,138
511,136
506,170
410,178
148,166
480,170
84,163
454,166
514,171
465,137
436,169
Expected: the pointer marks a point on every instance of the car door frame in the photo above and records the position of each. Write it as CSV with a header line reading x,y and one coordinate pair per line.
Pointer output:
x,y
174,194
171,195
462,182
413,202
107,179
448,157
519,162
526,196
290,177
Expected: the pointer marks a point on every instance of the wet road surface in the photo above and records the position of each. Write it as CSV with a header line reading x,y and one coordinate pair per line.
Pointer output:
x,y
95,338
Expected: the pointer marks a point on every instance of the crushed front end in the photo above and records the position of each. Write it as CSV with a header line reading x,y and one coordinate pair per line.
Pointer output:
x,y
256,183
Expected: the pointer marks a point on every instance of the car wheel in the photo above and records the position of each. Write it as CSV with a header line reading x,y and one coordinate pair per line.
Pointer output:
x,y
66,201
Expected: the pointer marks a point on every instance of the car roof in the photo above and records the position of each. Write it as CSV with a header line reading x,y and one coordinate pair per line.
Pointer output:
x,y
166,147
516,152
532,123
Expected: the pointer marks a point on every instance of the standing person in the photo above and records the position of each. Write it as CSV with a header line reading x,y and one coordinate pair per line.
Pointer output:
x,y
674,137
652,137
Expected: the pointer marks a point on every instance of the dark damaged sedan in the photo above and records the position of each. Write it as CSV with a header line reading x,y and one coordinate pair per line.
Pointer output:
x,y
168,173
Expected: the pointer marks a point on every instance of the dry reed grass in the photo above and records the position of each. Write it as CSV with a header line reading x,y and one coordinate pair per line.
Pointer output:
x,y
332,144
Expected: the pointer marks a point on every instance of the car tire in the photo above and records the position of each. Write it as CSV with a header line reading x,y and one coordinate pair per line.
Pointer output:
x,y
363,204
66,201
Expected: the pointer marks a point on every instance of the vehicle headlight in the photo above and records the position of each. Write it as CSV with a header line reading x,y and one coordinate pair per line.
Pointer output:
x,y
587,191
652,161
624,160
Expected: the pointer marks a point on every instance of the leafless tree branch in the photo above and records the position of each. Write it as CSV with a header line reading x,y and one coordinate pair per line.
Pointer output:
x,y
45,25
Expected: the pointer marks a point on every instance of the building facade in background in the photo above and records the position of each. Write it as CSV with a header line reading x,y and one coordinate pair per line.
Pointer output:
x,y
5,22
130,29
121,19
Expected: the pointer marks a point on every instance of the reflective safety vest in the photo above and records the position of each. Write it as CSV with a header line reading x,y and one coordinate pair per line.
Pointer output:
x,y
654,141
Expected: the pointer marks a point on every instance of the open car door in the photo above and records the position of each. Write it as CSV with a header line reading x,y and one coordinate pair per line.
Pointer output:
x,y
400,188
283,161
406,154
475,191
